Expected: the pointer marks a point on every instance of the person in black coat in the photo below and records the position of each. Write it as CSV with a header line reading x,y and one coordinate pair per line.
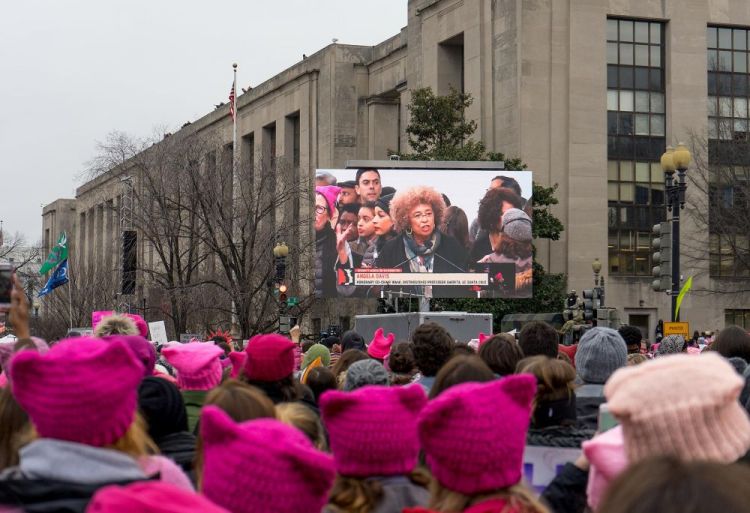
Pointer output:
x,y
420,246
161,404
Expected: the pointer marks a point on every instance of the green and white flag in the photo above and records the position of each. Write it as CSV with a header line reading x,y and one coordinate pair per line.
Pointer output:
x,y
58,254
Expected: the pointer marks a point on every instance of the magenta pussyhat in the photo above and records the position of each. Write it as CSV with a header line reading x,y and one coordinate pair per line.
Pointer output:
x,y
281,470
380,347
83,390
330,193
197,364
269,358
142,348
474,434
373,430
150,497
6,350
238,362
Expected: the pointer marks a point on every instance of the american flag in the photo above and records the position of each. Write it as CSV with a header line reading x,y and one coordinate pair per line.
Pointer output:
x,y
232,111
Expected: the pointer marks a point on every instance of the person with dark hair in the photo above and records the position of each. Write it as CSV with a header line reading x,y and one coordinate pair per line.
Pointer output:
x,y
401,363
382,223
501,353
554,420
432,346
321,379
368,186
348,357
163,409
463,349
461,369
491,209
733,341
365,228
511,244
352,340
348,194
633,338
667,485
347,222
538,337
387,191
325,241
456,224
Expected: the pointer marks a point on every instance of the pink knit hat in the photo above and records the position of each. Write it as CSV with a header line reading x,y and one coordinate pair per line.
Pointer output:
x,y
484,338
474,434
694,415
606,453
150,497
238,362
380,347
330,193
83,390
373,430
197,364
142,349
269,358
280,470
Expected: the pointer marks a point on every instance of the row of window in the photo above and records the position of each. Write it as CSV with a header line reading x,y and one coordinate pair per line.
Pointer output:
x,y
739,318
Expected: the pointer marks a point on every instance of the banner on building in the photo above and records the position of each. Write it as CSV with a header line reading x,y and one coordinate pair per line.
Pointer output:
x,y
423,233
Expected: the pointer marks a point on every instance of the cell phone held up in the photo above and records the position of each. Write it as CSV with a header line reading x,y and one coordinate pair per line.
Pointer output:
x,y
6,286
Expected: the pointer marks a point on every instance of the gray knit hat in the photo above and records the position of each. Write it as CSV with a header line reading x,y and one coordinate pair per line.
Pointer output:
x,y
516,224
365,372
601,352
671,344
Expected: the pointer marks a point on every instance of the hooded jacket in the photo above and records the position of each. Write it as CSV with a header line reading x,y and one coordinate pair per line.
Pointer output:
x,y
55,475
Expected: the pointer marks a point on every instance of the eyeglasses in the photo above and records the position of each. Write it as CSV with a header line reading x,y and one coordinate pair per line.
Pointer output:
x,y
422,215
320,210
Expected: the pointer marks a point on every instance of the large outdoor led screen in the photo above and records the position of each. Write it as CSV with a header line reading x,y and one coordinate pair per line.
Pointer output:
x,y
422,233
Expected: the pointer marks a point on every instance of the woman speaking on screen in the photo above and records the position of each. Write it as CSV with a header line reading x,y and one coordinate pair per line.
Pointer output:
x,y
420,246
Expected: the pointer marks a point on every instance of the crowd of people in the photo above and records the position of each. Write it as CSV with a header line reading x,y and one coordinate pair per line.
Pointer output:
x,y
368,423
360,224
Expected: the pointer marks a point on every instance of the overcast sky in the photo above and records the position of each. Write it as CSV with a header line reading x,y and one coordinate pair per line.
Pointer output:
x,y
72,71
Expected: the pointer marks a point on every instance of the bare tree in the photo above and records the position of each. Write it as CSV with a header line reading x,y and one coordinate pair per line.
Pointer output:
x,y
719,208
211,229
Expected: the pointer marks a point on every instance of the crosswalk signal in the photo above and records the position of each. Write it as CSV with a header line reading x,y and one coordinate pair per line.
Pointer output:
x,y
662,256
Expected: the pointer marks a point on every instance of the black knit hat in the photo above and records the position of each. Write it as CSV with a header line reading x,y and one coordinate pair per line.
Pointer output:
x,y
349,184
352,340
384,202
161,404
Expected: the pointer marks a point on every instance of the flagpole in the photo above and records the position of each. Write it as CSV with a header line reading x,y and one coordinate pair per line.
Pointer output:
x,y
235,185
70,295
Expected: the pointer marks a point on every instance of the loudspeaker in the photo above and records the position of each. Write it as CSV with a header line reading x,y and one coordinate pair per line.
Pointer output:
x,y
129,261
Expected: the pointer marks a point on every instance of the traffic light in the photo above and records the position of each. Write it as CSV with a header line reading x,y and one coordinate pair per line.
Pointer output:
x,y
589,313
282,297
662,256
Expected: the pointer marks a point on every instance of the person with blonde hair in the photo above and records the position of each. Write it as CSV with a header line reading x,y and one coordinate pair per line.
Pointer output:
x,y
303,418
420,246
81,398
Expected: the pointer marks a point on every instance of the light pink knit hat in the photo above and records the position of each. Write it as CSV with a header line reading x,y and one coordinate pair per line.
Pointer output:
x,y
238,362
6,350
83,390
262,466
373,430
694,414
197,364
474,434
331,194
380,347
606,453
150,497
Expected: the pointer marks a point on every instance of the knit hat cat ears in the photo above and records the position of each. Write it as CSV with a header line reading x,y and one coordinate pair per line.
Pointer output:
x,y
516,224
282,471
380,347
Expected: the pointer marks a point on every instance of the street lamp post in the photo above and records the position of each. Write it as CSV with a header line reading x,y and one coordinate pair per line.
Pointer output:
x,y
280,252
672,160
596,266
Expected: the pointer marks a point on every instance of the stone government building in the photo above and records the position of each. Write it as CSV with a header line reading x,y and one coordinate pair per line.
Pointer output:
x,y
587,92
